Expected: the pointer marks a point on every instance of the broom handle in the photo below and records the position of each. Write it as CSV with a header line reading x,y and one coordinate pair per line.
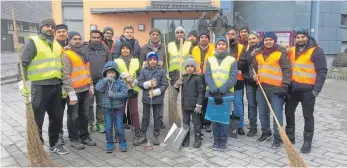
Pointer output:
x,y
166,61
15,36
228,44
180,90
268,102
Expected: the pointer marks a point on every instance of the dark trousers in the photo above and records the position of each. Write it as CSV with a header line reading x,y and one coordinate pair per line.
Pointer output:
x,y
77,117
220,131
307,100
156,117
48,98
114,119
251,93
99,110
196,122
202,117
132,117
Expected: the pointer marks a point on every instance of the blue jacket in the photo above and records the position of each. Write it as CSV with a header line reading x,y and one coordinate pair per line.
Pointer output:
x,y
231,82
135,51
118,87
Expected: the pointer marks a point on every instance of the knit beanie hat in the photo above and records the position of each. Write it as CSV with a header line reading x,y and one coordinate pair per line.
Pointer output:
x,y
221,38
180,28
205,33
254,33
194,33
47,21
61,26
126,44
301,30
190,61
155,30
270,35
151,55
108,28
72,34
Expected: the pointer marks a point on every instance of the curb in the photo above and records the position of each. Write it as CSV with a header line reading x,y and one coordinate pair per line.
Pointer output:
x,y
337,77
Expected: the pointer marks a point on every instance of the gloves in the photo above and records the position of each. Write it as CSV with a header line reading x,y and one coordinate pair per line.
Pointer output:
x,y
73,98
150,83
24,92
315,94
110,79
218,98
63,93
155,92
178,83
282,91
197,109
124,75
111,94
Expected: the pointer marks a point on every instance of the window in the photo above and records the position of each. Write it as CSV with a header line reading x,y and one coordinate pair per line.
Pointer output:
x,y
343,19
10,25
73,18
21,40
75,26
25,26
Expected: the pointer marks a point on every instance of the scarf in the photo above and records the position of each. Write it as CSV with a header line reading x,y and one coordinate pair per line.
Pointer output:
x,y
155,46
49,39
109,43
268,51
131,41
63,43
95,47
79,51
221,55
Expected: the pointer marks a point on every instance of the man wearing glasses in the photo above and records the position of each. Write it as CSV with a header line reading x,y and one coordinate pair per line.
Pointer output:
x,y
42,64
107,37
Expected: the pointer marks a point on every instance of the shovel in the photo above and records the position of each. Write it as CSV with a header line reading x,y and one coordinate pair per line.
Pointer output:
x,y
234,123
177,134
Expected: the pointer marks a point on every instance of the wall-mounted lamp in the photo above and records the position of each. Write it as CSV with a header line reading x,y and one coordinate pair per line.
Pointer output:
x,y
141,27
93,27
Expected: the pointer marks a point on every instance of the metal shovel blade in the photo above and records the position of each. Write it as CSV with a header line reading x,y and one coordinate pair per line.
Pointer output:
x,y
180,137
171,135
233,126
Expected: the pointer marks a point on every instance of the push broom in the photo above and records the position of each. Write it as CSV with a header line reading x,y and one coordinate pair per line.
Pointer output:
x,y
36,154
293,157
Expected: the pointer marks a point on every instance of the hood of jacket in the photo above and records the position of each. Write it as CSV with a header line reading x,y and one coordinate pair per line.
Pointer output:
x,y
110,65
194,73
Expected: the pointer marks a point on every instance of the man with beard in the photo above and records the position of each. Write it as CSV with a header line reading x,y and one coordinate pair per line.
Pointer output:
x,y
238,51
193,38
99,54
41,58
107,37
243,35
251,86
78,84
128,36
309,70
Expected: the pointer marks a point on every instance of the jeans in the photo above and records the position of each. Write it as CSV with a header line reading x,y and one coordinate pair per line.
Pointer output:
x,y
196,121
77,117
251,93
307,100
220,131
156,117
99,110
132,112
264,112
114,118
48,98
238,106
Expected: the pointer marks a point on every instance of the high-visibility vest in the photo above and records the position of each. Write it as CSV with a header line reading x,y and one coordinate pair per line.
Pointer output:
x,y
133,68
174,62
220,73
239,52
303,70
80,74
269,70
196,53
47,63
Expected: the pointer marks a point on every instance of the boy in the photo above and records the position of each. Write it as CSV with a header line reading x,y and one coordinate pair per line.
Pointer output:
x,y
114,92
153,82
192,99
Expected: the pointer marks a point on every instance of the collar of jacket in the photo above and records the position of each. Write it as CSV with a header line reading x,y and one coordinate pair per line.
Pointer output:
x,y
95,47
150,44
122,38
146,65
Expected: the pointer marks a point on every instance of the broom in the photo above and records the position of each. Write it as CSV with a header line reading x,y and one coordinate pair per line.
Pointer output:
x,y
36,154
293,157
172,103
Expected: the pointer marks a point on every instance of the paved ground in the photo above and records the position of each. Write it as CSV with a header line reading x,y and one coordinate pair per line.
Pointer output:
x,y
329,148
9,63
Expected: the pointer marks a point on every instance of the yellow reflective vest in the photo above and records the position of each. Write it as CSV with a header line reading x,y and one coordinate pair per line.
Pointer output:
x,y
174,62
133,68
47,63
220,73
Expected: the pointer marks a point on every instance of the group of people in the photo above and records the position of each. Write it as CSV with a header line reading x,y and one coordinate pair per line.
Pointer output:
x,y
64,70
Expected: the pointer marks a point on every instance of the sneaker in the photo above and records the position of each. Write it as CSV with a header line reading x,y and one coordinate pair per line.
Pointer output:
x,y
240,131
277,143
264,138
156,141
109,147
215,145
123,147
89,142
252,132
91,127
208,128
101,128
77,145
126,126
140,140
61,139
59,149
222,145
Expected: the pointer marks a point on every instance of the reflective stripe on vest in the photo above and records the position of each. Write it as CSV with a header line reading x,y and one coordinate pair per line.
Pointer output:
x,y
47,62
269,70
133,68
239,52
220,73
80,74
174,62
303,70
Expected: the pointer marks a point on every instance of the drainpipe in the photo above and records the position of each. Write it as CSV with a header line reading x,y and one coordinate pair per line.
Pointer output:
x,y
314,19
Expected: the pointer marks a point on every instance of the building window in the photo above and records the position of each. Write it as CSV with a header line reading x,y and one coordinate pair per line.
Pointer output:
x,y
73,18
10,25
21,40
343,19
25,26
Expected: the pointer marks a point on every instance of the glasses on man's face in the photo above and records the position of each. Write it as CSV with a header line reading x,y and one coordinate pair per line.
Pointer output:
x,y
180,32
50,26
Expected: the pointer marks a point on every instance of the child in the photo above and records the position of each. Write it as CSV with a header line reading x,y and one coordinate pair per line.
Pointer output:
x,y
114,92
192,99
153,82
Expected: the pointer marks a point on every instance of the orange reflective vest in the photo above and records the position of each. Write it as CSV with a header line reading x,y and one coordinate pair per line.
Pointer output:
x,y
269,70
196,53
303,70
80,73
239,52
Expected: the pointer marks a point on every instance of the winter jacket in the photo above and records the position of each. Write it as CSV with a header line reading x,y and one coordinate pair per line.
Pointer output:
x,y
193,90
145,49
248,67
240,63
147,74
227,85
285,68
320,63
109,44
98,56
135,51
118,87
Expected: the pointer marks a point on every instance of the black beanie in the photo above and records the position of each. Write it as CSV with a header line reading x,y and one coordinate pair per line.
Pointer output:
x,y
61,26
205,33
194,33
125,43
